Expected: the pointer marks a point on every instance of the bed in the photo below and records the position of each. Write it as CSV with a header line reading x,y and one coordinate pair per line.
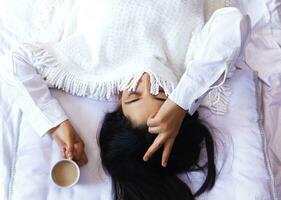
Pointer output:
x,y
247,136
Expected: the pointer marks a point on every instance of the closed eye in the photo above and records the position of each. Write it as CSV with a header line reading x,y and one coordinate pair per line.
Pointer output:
x,y
132,101
138,94
160,99
135,100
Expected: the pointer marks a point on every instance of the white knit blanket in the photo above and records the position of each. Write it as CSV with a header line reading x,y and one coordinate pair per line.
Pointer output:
x,y
99,57
107,45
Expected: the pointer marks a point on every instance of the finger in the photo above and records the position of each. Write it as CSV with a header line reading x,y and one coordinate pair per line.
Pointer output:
x,y
78,139
83,160
63,152
152,122
62,146
154,130
158,142
152,115
78,150
167,151
69,141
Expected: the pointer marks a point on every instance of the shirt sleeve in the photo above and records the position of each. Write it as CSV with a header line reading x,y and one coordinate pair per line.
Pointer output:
x,y
33,96
211,57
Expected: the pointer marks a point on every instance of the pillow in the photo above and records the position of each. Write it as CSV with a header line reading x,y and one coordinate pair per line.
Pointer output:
x,y
241,165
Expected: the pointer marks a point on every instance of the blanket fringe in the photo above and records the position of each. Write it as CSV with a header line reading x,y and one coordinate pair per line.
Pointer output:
x,y
97,87
155,81
105,88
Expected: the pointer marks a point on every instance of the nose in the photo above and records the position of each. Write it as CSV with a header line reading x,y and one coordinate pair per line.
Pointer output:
x,y
146,84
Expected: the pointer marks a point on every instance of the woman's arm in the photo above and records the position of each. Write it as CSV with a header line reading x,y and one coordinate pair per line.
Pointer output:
x,y
214,51
43,111
212,55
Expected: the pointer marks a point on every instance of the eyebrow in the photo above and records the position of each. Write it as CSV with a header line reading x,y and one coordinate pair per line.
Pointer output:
x,y
137,99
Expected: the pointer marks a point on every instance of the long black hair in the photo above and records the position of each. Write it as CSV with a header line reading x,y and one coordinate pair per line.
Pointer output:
x,y
122,147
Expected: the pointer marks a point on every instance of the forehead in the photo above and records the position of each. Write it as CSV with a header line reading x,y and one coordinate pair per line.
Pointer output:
x,y
148,82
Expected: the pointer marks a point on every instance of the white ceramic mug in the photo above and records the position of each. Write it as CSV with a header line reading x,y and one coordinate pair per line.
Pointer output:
x,y
65,173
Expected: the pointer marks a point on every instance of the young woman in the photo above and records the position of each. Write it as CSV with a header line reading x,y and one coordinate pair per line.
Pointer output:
x,y
111,47
123,143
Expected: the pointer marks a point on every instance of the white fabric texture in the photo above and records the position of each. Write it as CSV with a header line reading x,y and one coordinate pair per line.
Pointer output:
x,y
99,57
34,93
209,57
206,53
27,175
70,63
263,54
212,5
39,28
242,170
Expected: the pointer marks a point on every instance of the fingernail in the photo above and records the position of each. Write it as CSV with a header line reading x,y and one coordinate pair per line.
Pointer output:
x,y
164,164
69,154
145,158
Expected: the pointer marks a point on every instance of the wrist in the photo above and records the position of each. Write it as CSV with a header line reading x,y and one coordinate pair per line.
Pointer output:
x,y
52,130
175,106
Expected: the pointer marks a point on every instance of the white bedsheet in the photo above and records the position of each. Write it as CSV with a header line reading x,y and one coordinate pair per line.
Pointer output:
x,y
27,173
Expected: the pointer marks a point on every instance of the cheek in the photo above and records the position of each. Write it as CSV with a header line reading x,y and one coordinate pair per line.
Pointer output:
x,y
139,113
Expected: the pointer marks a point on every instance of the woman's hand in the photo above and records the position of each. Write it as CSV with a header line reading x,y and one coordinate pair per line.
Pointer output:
x,y
166,123
70,143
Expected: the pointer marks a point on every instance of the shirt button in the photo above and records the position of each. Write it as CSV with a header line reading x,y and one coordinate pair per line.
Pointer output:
x,y
196,100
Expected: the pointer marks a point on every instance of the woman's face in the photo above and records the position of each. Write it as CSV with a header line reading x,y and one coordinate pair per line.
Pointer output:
x,y
137,106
